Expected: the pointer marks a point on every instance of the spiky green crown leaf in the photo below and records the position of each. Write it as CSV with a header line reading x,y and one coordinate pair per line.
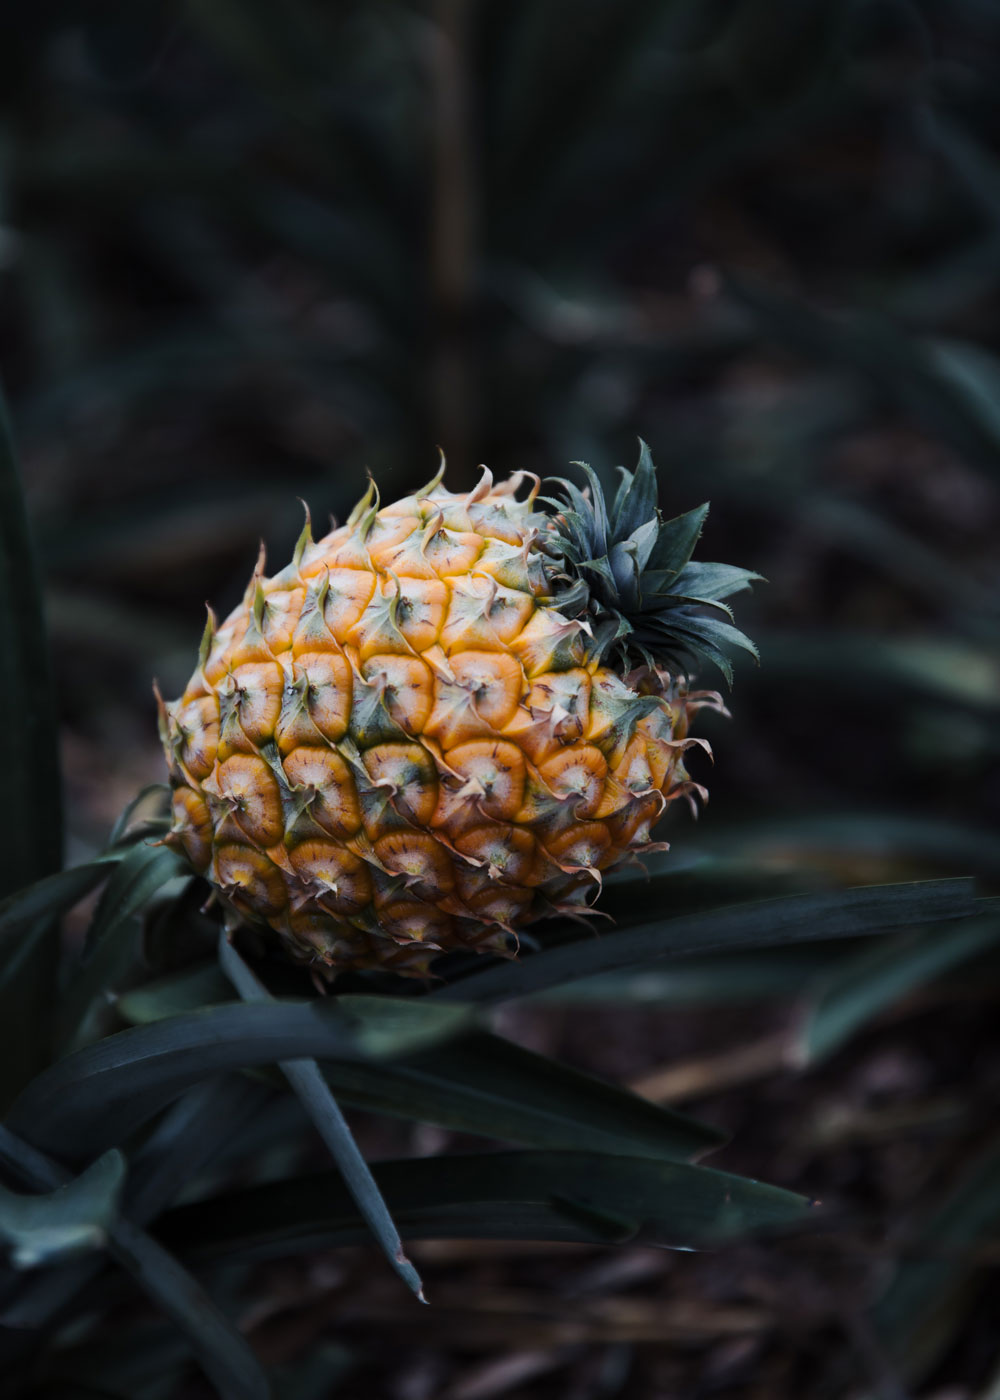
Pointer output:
x,y
643,592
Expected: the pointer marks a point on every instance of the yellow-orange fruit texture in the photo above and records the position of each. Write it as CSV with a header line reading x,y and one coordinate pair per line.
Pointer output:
x,y
399,745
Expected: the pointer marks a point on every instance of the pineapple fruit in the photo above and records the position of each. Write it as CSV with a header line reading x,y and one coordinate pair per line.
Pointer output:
x,y
447,718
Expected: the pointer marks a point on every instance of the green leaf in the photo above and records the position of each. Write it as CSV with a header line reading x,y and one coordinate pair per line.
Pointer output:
x,y
73,1218
314,1094
479,1083
88,1003
223,1353
121,827
95,1097
677,539
47,899
848,913
28,925
492,1196
635,500
141,871
187,1137
393,1026
699,580
721,979
486,1085
113,940
881,975
189,990
30,790
706,635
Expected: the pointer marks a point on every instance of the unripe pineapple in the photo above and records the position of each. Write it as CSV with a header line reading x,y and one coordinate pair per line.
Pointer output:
x,y
445,719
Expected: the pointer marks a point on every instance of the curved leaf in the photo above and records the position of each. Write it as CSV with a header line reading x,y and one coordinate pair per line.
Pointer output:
x,y
94,1098
793,919
478,1084
523,1195
718,979
140,872
29,932
187,990
45,1229
874,979
121,832
113,939
486,1085
47,898
224,1355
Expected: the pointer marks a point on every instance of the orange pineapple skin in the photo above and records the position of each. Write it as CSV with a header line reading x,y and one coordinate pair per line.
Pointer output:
x,y
399,746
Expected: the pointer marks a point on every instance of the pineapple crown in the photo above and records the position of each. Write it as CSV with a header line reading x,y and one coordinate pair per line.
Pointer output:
x,y
633,578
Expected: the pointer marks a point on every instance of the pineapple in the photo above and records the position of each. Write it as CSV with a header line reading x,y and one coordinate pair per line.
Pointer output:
x,y
447,718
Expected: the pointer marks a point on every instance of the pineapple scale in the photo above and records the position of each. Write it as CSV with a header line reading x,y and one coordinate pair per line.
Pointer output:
x,y
399,746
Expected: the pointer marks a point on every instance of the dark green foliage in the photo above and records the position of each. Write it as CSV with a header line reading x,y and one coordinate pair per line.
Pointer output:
x,y
529,1195
406,1055
102,1094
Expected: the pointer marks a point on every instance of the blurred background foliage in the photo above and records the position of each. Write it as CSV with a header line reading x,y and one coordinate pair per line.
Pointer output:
x,y
248,249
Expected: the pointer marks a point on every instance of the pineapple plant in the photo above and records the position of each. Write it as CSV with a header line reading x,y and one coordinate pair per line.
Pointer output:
x,y
134,1106
447,718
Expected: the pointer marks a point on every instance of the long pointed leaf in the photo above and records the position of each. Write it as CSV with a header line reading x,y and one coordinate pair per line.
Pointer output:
x,y
139,874
848,913
224,1355
523,1195
486,1085
187,990
112,940
96,1097
48,898
29,929
871,981
314,1093
479,1084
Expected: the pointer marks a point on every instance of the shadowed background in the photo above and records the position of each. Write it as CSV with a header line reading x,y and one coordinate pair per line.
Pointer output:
x,y
249,249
